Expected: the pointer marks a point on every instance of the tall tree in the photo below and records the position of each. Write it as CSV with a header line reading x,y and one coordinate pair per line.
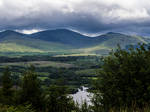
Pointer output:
x,y
7,86
57,99
31,89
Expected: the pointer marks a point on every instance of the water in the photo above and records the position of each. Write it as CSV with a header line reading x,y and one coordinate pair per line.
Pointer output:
x,y
82,95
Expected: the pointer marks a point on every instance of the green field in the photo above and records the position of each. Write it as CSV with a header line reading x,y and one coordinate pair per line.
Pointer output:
x,y
39,64
87,72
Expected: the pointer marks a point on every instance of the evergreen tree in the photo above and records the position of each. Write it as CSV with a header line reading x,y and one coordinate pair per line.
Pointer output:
x,y
57,100
7,84
31,90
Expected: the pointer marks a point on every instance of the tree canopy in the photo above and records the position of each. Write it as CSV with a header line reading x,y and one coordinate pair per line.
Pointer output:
x,y
124,79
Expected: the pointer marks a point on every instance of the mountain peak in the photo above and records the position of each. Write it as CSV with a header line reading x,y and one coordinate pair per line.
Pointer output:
x,y
10,32
111,33
61,30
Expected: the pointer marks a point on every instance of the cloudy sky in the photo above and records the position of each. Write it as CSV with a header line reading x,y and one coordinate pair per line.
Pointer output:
x,y
88,16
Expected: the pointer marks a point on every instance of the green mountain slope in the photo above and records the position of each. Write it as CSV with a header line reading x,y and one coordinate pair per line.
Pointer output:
x,y
122,40
12,47
66,37
111,42
16,42
65,41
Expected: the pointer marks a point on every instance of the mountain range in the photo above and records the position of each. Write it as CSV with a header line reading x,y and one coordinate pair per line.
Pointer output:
x,y
64,41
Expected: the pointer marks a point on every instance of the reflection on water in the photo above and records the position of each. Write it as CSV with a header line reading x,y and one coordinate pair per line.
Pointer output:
x,y
82,95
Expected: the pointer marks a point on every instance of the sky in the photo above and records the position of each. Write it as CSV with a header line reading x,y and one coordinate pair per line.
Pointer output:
x,y
86,16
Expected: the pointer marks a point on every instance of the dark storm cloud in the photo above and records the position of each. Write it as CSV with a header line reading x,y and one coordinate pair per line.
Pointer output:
x,y
90,16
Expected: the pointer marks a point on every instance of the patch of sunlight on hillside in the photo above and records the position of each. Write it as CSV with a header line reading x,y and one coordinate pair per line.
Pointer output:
x,y
82,54
142,40
95,48
12,47
37,44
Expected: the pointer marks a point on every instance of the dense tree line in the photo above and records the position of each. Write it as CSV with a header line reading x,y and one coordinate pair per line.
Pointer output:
x,y
4,59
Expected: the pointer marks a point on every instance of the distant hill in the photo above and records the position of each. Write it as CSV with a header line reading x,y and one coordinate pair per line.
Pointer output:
x,y
110,41
67,41
65,36
11,41
113,39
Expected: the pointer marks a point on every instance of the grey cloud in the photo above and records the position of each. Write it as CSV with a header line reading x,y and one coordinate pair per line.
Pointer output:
x,y
90,16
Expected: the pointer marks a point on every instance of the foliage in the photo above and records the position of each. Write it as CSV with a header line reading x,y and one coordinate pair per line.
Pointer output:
x,y
4,108
7,85
123,81
31,91
58,101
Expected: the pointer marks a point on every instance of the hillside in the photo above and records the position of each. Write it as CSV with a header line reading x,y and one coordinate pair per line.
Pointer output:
x,y
68,37
121,39
65,41
11,41
111,40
